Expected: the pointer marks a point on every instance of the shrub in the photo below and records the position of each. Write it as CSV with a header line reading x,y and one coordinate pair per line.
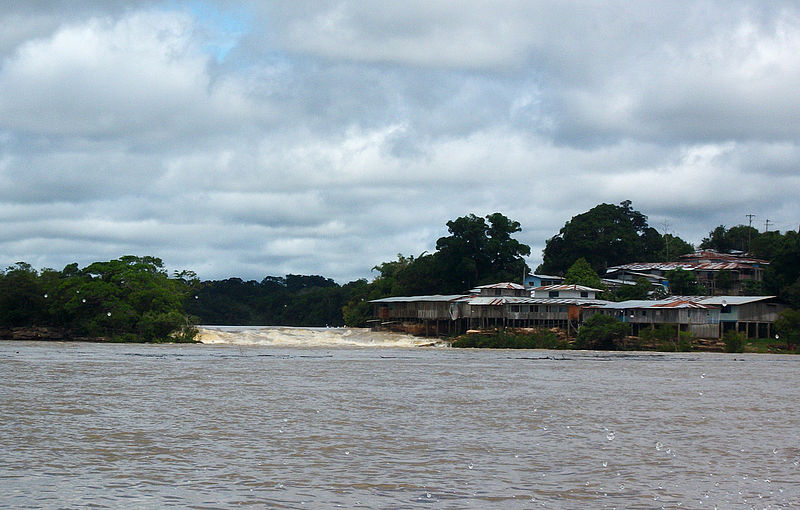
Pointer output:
x,y
685,341
734,342
601,332
540,339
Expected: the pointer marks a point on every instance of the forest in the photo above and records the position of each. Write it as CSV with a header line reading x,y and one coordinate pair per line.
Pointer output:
x,y
135,299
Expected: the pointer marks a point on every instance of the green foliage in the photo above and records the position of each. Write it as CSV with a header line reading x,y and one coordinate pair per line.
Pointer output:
x,y
768,245
667,338
782,276
723,280
293,300
683,283
661,334
540,339
741,237
606,235
124,299
601,332
581,273
734,341
478,252
685,341
23,297
674,247
787,325
641,290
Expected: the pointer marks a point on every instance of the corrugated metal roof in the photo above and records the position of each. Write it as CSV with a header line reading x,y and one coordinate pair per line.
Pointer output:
x,y
717,256
682,304
731,300
687,302
567,287
410,299
686,266
502,285
514,300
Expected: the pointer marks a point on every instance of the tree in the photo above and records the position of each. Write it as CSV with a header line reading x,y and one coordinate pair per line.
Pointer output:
x,y
478,252
464,252
782,276
682,282
581,273
674,247
716,240
788,327
606,235
601,332
740,237
505,253
23,298
641,290
131,298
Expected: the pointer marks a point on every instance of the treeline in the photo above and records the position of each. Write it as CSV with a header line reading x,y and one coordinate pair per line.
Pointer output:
x,y
294,300
128,299
133,298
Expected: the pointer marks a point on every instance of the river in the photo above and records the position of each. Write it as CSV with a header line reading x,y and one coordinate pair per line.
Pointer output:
x,y
377,423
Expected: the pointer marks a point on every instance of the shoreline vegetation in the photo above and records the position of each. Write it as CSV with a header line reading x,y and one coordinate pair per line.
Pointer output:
x,y
135,299
556,339
522,338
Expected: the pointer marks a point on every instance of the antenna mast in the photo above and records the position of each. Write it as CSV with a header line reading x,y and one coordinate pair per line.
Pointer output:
x,y
749,230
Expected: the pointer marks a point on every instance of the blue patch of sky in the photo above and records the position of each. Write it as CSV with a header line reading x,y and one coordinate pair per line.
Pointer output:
x,y
222,28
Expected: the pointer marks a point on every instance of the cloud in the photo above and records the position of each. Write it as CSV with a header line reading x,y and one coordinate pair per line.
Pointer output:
x,y
326,137
142,76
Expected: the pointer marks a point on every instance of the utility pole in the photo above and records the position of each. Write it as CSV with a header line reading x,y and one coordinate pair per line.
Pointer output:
x,y
766,226
749,230
666,240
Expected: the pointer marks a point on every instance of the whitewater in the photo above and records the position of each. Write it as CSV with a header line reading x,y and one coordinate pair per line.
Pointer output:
x,y
285,336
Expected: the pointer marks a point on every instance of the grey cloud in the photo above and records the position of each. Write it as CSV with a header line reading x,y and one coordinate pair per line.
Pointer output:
x,y
337,134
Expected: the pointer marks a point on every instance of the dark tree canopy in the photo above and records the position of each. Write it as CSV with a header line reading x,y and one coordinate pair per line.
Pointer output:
x,y
481,251
582,273
130,298
740,238
606,235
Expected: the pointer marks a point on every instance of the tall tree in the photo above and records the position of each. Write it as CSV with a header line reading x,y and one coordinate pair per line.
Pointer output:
x,y
723,240
582,273
606,235
478,252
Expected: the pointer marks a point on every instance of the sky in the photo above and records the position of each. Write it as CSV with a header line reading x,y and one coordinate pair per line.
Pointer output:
x,y
246,139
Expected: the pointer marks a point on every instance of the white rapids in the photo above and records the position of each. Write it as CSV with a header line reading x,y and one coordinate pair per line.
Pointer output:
x,y
286,336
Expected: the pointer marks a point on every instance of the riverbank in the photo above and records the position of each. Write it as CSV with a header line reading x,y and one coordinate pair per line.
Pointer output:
x,y
51,334
556,338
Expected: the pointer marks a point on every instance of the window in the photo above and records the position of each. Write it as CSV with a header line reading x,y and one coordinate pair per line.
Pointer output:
x,y
584,293
553,293
535,308
725,309
515,308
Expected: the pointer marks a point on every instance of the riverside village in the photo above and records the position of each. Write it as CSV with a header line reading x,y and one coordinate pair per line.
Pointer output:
x,y
544,301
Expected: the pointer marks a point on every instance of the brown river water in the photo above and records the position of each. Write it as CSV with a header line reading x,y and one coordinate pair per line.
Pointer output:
x,y
291,418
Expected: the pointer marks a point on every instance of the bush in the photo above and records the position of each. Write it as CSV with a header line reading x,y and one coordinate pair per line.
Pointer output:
x,y
734,342
685,341
601,332
540,339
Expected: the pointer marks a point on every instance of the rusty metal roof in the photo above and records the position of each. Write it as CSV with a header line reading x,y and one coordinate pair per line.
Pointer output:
x,y
515,300
680,303
687,266
713,255
410,299
567,287
502,285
